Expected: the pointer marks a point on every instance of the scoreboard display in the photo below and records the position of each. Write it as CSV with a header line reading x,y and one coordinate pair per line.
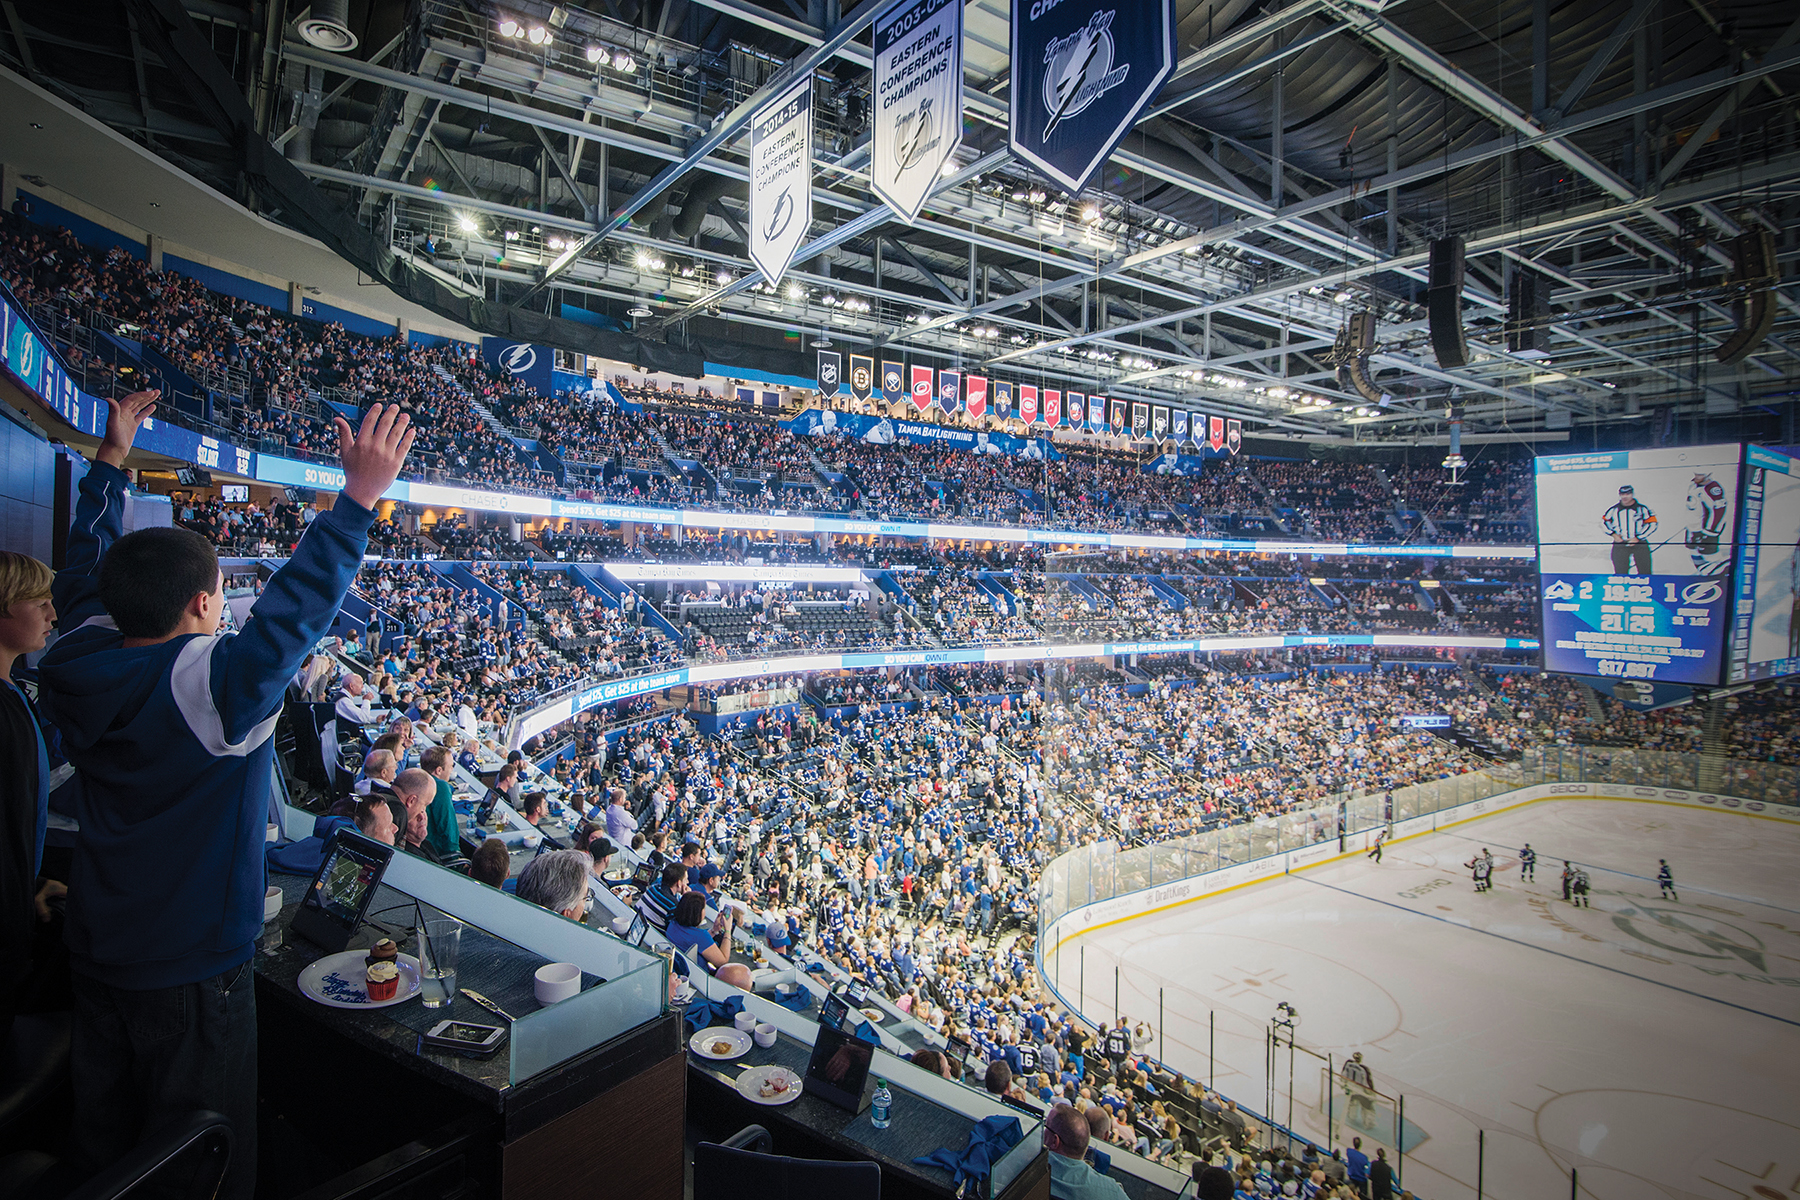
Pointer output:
x,y
1765,629
1635,556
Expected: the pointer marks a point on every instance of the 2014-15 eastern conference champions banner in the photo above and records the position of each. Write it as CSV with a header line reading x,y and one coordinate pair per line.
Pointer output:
x,y
781,180
1082,72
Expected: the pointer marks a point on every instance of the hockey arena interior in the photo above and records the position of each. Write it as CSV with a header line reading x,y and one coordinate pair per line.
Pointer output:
x,y
992,600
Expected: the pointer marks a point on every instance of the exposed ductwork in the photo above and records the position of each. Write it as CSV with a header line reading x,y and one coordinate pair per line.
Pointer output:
x,y
327,26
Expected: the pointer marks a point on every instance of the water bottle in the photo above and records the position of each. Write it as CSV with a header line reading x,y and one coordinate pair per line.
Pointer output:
x,y
883,1103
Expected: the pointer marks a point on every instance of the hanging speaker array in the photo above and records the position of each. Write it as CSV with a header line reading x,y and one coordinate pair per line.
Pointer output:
x,y
1528,313
1752,262
1354,345
1443,303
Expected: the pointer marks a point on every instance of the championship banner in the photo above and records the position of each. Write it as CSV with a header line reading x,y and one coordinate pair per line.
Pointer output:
x,y
917,92
921,388
1077,410
1120,418
781,181
1082,72
1028,403
1140,420
1178,426
862,376
1234,435
975,395
893,382
829,377
1002,399
950,391
1052,407
1159,419
1215,433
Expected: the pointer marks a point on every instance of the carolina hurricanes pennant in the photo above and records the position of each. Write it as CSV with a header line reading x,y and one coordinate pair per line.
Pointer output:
x,y
921,388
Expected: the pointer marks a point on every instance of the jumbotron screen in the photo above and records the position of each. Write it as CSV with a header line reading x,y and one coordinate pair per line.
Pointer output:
x,y
1765,631
1635,551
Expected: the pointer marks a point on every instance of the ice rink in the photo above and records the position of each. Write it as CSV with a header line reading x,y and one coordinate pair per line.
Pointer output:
x,y
1653,1044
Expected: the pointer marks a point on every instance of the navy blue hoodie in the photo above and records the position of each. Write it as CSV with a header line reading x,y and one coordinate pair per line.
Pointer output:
x,y
174,744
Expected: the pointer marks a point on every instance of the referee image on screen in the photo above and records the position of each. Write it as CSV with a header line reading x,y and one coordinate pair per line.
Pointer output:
x,y
1630,524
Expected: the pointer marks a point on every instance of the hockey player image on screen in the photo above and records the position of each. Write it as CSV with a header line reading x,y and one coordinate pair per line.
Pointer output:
x,y
1794,603
1630,523
1706,506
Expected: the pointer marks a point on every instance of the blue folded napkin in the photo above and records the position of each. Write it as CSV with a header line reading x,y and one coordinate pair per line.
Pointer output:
x,y
989,1141
701,1012
794,1003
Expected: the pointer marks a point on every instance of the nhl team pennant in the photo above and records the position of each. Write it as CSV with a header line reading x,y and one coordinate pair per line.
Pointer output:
x,y
1140,420
975,395
921,388
862,376
1077,409
893,382
1052,407
950,391
1215,433
1002,399
1028,402
1234,435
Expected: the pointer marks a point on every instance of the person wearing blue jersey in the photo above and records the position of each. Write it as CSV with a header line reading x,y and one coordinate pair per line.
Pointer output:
x,y
1528,863
170,726
1665,879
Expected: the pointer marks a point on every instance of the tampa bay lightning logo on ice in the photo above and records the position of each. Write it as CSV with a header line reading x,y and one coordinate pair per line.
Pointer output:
x,y
519,359
1079,70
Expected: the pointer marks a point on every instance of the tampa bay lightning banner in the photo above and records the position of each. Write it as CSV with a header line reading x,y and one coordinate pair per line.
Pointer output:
x,y
917,92
1178,427
1082,71
829,372
879,431
528,365
862,376
893,382
781,180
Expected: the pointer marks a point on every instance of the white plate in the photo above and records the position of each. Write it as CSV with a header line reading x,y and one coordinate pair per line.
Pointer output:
x,y
341,981
701,1043
873,1015
749,1085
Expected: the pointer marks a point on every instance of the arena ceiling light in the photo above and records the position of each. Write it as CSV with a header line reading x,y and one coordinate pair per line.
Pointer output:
x,y
327,26
623,63
466,223
510,28
821,342
595,54
537,35
640,309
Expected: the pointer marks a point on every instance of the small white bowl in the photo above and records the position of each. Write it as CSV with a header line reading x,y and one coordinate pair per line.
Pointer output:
x,y
271,904
622,925
272,833
745,1021
765,1034
556,981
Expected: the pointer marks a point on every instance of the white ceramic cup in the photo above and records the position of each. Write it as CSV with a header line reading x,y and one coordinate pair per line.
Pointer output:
x,y
271,904
556,981
765,1034
745,1021
622,925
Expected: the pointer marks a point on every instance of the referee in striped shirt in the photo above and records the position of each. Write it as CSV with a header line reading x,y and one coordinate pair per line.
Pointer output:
x,y
1631,525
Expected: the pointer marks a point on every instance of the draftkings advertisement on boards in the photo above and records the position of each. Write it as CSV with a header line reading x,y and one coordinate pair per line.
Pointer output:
x,y
1635,554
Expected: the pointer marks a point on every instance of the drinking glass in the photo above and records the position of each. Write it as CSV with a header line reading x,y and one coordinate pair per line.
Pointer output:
x,y
439,940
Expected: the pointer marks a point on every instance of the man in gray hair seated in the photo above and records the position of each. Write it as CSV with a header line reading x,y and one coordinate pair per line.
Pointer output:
x,y
558,881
